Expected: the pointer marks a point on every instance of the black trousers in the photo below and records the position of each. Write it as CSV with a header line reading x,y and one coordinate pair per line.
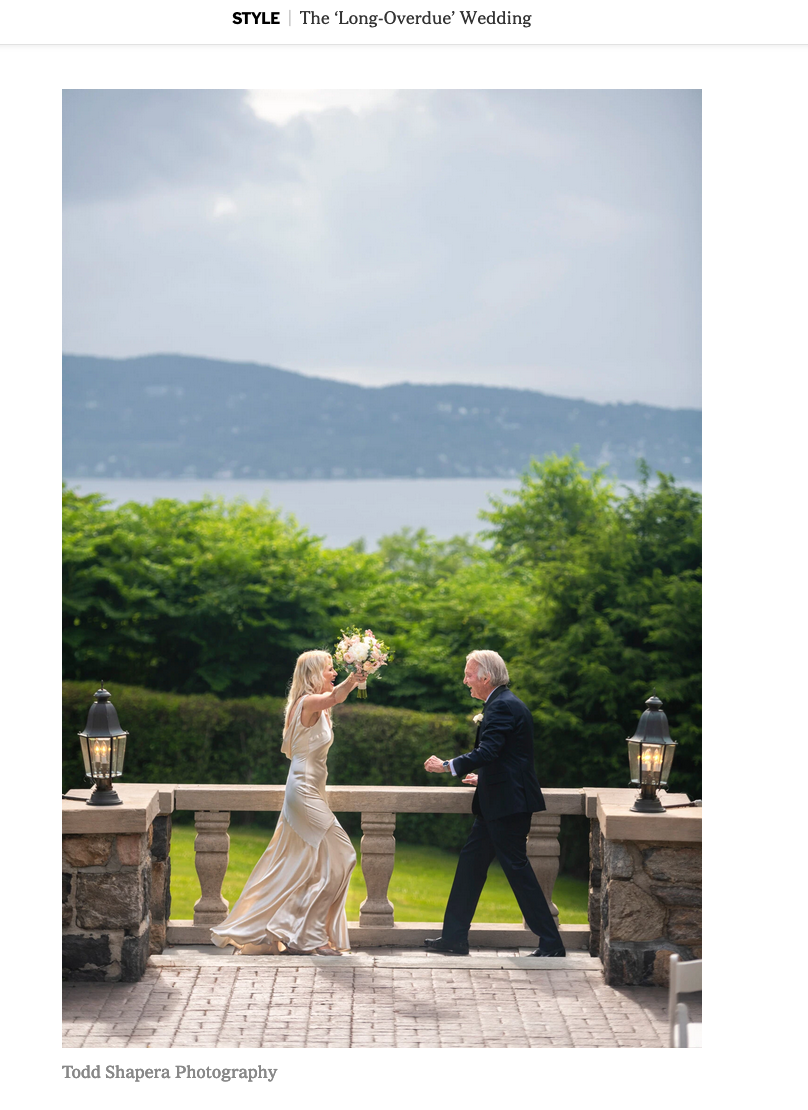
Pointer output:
x,y
505,838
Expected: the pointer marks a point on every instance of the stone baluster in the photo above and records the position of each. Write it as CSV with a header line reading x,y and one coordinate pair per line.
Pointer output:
x,y
378,856
212,854
543,851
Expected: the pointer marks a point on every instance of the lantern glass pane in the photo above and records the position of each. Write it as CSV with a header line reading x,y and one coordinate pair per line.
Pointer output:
x,y
666,766
100,755
119,748
85,755
651,759
634,761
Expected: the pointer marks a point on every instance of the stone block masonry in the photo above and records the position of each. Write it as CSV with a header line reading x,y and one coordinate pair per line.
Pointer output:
x,y
645,896
115,891
106,895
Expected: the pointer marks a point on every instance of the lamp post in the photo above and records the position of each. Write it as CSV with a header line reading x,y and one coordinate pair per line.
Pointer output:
x,y
650,755
103,744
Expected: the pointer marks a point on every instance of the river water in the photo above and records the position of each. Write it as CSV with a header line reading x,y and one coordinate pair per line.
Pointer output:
x,y
340,511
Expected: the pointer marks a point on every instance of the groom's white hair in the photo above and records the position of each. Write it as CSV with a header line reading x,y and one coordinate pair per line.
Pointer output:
x,y
490,665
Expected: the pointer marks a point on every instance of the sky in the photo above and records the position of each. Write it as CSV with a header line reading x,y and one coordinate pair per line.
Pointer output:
x,y
536,239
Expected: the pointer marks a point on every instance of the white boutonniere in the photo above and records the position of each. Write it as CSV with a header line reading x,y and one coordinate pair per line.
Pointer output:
x,y
477,718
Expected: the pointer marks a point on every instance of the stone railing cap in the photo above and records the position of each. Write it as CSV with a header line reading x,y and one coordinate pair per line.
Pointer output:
x,y
368,799
142,802
620,796
617,822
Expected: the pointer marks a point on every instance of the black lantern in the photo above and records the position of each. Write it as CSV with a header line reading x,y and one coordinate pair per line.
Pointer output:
x,y
103,744
650,755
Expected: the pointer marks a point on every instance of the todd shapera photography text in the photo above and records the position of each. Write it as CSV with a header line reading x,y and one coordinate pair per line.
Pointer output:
x,y
179,1071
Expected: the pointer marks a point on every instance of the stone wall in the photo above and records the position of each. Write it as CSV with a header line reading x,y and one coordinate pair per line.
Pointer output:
x,y
645,904
106,900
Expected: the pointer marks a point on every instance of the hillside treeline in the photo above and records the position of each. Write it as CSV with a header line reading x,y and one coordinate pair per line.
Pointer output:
x,y
177,416
592,594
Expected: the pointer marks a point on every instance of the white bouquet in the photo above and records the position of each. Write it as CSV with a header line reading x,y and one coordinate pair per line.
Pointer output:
x,y
362,654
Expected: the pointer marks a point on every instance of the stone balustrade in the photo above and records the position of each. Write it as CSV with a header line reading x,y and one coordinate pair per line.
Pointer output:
x,y
116,893
378,806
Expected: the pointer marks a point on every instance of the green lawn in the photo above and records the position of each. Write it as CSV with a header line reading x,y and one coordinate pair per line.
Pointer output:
x,y
419,887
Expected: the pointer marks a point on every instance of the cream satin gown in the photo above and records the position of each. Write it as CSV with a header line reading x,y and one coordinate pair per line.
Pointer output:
x,y
296,893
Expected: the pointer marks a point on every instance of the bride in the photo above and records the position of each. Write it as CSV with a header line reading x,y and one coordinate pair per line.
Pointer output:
x,y
294,900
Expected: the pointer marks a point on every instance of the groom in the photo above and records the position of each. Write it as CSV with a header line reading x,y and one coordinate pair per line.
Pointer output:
x,y
507,793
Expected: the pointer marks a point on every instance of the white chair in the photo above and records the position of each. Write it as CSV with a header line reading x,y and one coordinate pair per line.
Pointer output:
x,y
684,977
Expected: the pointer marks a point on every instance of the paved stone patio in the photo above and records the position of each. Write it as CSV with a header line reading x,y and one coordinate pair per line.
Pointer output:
x,y
375,998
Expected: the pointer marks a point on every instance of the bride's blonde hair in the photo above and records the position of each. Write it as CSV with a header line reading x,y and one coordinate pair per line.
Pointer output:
x,y
307,679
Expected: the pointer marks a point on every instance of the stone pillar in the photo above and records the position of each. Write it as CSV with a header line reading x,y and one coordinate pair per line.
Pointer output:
x,y
160,883
106,894
650,908
543,852
212,854
378,849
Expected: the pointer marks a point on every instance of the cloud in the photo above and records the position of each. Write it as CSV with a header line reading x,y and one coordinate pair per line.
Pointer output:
x,y
279,106
433,235
224,206
125,142
590,220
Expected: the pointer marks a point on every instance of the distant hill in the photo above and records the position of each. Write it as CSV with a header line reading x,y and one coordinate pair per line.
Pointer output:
x,y
169,416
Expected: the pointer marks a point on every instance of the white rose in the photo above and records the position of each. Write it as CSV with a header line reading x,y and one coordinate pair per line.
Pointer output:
x,y
477,718
360,652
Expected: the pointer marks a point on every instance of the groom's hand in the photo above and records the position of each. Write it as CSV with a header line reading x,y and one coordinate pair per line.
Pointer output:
x,y
435,765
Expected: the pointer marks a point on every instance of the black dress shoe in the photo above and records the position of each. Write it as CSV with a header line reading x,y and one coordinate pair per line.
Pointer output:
x,y
438,944
555,952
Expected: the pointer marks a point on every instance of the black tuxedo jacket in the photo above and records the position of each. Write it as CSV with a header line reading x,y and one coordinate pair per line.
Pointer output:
x,y
503,759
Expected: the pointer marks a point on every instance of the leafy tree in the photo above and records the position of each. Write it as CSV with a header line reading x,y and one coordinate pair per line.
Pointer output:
x,y
618,588
196,597
435,601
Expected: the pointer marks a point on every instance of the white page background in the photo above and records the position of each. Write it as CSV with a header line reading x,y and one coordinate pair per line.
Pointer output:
x,y
754,102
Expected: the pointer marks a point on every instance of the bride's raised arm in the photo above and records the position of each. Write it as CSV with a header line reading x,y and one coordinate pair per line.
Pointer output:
x,y
314,704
